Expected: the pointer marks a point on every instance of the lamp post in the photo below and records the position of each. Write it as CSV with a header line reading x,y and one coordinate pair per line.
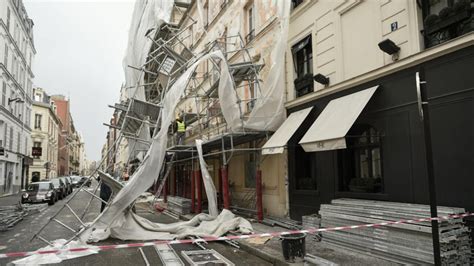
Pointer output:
x,y
425,119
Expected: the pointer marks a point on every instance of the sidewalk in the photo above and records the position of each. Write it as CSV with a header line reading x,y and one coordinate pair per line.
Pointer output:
x,y
271,249
10,199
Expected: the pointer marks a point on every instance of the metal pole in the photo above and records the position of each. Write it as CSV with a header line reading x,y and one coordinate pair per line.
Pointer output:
x,y
199,191
225,187
193,191
258,188
423,109
165,192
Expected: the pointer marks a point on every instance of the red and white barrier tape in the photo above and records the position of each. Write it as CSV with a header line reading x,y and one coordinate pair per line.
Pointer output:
x,y
222,238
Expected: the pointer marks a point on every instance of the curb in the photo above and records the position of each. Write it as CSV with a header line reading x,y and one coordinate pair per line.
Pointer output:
x,y
262,254
254,251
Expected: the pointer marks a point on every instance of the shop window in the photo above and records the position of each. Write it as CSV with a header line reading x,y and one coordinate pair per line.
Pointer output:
x,y
361,167
303,66
305,166
445,20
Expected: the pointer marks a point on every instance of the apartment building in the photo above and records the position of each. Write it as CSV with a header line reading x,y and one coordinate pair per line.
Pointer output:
x,y
354,73
17,53
45,137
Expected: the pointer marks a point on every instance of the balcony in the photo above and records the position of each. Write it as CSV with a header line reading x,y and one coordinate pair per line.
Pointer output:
x,y
304,85
450,22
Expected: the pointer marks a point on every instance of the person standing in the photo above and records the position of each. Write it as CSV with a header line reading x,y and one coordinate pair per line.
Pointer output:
x,y
180,130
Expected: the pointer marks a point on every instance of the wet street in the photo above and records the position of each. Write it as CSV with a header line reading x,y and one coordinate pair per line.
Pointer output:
x,y
19,238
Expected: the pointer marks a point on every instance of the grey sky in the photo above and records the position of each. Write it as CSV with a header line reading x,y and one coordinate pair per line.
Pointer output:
x,y
80,46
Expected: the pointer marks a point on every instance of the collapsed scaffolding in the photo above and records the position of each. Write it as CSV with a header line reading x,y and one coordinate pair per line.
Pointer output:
x,y
168,73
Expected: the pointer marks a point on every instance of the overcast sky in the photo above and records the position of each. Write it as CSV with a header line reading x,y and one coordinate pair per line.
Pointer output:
x,y
80,46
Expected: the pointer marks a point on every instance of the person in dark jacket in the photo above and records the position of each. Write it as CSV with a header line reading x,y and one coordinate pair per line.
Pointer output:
x,y
105,193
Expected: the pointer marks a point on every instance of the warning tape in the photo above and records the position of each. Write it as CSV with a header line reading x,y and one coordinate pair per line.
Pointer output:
x,y
223,238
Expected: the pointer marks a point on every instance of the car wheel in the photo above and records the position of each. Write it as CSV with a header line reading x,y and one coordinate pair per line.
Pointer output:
x,y
51,201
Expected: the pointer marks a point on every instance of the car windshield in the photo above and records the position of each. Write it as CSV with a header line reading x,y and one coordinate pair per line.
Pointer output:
x,y
38,187
55,182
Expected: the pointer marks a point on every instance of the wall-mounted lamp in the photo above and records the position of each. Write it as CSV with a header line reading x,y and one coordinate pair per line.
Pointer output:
x,y
389,47
320,78
18,100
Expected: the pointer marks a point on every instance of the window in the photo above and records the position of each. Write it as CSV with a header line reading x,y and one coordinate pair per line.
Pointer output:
x,y
8,18
12,96
303,66
305,170
361,162
445,19
18,144
10,146
5,135
250,168
250,12
5,59
252,95
38,118
4,94
295,3
37,151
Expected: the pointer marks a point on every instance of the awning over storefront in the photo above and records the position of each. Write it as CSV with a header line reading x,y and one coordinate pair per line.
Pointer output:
x,y
276,144
330,128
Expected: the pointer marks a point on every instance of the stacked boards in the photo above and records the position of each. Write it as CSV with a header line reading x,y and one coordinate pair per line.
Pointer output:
x,y
402,243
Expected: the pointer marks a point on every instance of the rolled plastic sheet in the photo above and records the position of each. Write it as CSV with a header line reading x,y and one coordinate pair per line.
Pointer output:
x,y
208,184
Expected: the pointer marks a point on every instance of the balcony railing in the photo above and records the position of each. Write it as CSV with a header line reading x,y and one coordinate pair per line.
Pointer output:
x,y
449,23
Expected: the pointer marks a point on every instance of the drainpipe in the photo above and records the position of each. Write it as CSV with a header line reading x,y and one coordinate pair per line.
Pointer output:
x,y
225,187
258,188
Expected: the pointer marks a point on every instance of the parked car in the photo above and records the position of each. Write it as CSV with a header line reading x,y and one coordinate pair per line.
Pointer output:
x,y
60,187
86,180
39,192
67,183
76,180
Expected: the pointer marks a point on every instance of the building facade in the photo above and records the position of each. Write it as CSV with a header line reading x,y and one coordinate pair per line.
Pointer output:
x,y
17,53
45,137
352,66
71,144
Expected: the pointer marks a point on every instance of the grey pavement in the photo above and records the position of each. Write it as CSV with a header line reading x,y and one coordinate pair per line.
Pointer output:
x,y
19,237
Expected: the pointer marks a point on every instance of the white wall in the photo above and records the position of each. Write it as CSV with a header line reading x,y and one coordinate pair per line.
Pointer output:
x,y
346,34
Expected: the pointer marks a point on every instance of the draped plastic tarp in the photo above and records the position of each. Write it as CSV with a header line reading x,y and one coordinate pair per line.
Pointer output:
x,y
113,219
208,183
269,111
147,16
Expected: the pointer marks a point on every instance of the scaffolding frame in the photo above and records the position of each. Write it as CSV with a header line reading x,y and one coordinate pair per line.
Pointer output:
x,y
169,56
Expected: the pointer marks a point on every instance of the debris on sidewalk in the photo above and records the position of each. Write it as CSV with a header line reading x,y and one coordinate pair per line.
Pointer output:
x,y
179,205
11,215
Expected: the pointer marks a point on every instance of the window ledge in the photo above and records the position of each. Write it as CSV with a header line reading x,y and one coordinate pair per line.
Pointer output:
x,y
299,10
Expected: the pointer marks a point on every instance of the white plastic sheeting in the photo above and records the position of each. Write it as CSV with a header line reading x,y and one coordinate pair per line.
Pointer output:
x,y
140,146
269,110
208,184
147,15
112,219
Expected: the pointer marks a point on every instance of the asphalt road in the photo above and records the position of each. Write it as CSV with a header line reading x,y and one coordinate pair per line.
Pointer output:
x,y
19,238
